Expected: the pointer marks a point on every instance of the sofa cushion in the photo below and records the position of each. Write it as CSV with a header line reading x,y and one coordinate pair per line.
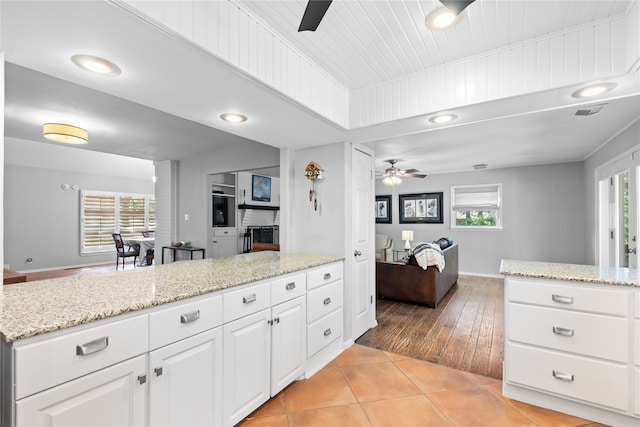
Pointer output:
x,y
444,242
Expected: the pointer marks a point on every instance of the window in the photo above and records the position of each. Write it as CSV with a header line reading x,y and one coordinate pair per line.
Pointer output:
x,y
106,213
477,206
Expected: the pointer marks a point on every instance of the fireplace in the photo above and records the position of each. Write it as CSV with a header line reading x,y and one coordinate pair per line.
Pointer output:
x,y
264,234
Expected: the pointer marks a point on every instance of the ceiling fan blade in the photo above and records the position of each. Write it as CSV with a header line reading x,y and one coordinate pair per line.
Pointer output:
x,y
415,175
313,14
456,6
410,171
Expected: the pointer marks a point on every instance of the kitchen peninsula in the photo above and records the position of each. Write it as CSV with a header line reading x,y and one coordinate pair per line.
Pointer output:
x,y
572,339
201,342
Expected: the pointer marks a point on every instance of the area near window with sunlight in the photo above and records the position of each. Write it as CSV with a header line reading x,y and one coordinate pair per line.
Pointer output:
x,y
476,206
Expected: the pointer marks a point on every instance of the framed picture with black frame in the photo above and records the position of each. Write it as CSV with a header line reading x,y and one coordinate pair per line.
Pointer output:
x,y
383,209
421,208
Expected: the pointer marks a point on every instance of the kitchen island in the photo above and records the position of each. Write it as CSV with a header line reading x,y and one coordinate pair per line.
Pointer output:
x,y
198,342
572,339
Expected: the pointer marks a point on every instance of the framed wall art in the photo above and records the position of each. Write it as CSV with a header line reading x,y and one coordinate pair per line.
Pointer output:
x,y
383,209
421,208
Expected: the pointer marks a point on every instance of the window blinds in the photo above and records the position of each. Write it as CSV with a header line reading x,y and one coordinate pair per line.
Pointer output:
x,y
476,198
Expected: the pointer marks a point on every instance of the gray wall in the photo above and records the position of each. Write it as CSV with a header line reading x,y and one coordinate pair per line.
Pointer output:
x,y
42,221
193,194
543,216
627,139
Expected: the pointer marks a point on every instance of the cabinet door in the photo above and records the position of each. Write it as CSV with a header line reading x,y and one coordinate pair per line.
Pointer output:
x,y
224,246
288,343
186,382
110,397
246,360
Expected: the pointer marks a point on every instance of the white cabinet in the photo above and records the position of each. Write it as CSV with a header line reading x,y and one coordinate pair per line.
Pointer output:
x,y
567,348
185,382
246,360
288,338
113,396
224,243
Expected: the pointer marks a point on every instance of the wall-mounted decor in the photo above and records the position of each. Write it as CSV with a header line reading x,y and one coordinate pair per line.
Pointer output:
x,y
314,173
261,188
383,209
421,208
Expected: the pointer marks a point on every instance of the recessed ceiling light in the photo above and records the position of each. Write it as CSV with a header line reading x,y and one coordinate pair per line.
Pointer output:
x,y
96,65
593,90
233,117
441,19
442,118
68,134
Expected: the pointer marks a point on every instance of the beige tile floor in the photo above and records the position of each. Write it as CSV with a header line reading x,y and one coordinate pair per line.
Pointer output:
x,y
368,387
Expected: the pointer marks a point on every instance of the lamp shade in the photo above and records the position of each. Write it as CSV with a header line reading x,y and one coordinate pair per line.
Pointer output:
x,y
407,235
67,134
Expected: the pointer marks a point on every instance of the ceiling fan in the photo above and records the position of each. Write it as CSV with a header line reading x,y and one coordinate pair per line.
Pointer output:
x,y
316,9
393,174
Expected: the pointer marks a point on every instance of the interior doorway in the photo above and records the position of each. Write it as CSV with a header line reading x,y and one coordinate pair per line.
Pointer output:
x,y
618,194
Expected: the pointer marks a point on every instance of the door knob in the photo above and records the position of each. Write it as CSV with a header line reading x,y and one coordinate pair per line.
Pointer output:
x,y
357,253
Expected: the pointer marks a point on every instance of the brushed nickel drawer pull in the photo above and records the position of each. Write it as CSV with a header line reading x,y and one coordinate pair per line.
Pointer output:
x,y
290,286
142,379
190,317
562,299
562,331
158,371
327,276
249,299
327,301
92,346
562,376
327,332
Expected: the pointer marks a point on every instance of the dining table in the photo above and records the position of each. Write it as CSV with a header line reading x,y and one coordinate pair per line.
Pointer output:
x,y
145,243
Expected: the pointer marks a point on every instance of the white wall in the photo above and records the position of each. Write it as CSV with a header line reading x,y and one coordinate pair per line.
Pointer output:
x,y
543,216
244,183
623,142
1,152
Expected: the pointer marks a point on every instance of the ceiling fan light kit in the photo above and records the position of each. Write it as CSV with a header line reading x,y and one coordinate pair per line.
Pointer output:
x,y
392,175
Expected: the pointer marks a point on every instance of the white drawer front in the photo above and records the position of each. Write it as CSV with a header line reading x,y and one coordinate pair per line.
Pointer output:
x,y
99,347
323,332
237,304
575,377
637,305
583,297
323,300
324,274
184,319
288,287
587,334
636,345
221,232
636,391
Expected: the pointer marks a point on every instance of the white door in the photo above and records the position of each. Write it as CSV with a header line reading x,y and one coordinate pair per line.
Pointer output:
x,y
185,384
113,396
288,343
363,266
246,361
618,193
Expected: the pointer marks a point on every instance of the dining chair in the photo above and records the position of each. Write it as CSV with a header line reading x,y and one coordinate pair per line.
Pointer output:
x,y
122,252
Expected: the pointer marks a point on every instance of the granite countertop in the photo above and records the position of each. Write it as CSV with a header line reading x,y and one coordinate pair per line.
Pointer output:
x,y
33,308
571,272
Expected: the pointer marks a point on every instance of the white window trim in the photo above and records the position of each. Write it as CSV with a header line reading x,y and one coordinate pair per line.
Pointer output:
x,y
499,208
117,195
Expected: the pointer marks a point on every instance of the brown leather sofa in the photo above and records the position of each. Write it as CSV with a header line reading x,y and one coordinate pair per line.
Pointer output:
x,y
409,282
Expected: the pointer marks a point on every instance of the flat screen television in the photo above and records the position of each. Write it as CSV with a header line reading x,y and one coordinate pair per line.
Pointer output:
x,y
261,188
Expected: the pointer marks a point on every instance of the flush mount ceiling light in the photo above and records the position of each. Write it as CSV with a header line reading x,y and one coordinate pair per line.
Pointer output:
x,y
593,90
96,65
233,117
441,19
64,133
442,118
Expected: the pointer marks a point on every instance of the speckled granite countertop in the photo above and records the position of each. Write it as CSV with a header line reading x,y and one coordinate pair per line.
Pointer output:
x,y
571,272
33,308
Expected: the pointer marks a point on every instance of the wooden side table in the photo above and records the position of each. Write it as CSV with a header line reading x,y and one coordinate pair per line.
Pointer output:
x,y
173,250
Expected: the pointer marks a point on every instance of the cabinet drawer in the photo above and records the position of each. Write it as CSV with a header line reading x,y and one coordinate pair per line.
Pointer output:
x,y
288,287
222,232
323,300
184,319
77,353
582,296
636,345
637,305
587,334
237,304
324,274
572,376
636,391
323,332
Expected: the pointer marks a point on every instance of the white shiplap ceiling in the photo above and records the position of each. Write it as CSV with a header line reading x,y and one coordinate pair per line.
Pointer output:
x,y
166,75
367,42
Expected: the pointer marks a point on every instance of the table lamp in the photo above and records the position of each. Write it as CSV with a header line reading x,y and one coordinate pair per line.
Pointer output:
x,y
407,235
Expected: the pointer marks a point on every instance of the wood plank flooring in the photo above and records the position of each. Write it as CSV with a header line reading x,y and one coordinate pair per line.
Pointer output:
x,y
465,331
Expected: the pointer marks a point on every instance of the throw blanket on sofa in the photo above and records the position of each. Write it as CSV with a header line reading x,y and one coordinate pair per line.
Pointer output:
x,y
428,253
